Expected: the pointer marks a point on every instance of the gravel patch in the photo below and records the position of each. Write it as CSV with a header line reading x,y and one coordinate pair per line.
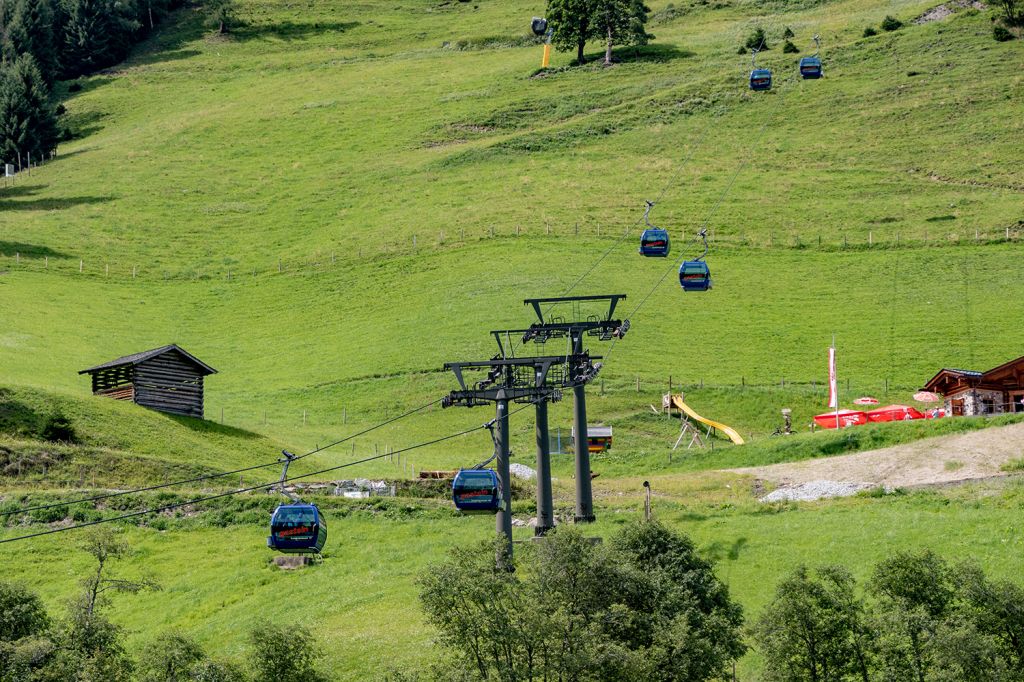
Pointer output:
x,y
522,471
815,490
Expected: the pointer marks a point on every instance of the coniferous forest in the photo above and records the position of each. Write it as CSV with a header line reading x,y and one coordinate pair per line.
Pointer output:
x,y
44,41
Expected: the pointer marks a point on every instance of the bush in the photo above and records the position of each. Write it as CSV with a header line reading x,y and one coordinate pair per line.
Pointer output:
x,y
788,33
757,41
284,653
790,48
868,32
171,657
1001,33
891,23
21,613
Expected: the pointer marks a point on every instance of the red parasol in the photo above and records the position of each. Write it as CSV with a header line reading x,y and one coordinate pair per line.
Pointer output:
x,y
866,400
927,397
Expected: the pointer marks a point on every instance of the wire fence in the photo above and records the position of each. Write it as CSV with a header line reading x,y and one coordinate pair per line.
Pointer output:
x,y
314,419
416,244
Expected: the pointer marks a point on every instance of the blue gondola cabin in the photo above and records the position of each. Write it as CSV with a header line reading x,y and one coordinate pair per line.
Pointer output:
x,y
654,243
694,275
297,529
810,67
761,79
476,490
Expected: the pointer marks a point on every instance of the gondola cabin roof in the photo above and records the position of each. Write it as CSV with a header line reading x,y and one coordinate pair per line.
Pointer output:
x,y
138,358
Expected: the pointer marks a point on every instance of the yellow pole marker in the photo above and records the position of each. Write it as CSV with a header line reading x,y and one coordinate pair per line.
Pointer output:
x,y
547,56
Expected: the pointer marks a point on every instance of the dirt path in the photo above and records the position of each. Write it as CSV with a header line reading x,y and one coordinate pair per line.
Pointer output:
x,y
945,459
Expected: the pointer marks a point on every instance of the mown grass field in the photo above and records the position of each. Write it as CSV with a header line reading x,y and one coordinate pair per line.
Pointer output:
x,y
342,196
362,600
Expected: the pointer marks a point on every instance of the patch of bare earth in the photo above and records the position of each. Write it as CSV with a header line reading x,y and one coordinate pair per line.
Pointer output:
x,y
947,8
932,461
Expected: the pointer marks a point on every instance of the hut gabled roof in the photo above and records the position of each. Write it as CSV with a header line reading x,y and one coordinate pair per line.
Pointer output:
x,y
136,358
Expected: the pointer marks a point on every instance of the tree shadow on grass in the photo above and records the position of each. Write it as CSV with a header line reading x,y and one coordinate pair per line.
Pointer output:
x,y
20,191
718,550
158,57
655,52
288,30
50,203
30,250
81,125
167,43
65,91
17,418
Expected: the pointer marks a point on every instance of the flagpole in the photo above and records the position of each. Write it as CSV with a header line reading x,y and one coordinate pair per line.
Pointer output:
x,y
837,379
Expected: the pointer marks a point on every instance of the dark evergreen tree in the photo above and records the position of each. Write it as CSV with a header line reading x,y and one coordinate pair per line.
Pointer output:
x,y
96,33
28,118
221,15
27,28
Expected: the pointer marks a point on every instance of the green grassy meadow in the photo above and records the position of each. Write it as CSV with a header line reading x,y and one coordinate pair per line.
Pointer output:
x,y
338,198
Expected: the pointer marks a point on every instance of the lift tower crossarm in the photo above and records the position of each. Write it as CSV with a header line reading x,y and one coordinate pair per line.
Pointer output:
x,y
536,303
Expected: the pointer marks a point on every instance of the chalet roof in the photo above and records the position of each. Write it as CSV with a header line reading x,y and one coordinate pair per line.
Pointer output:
x,y
1005,365
137,358
965,372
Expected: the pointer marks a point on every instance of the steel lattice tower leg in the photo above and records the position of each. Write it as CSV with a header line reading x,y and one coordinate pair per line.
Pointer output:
x,y
584,494
545,507
503,519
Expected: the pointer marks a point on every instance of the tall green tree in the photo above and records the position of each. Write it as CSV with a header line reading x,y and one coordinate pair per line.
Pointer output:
x,y
643,607
620,22
571,23
28,118
816,629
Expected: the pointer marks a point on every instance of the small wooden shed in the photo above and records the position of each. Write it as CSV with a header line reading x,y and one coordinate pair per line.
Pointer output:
x,y
599,438
168,379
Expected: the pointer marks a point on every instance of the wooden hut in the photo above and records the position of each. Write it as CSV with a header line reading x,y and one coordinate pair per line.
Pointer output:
x,y
168,379
969,392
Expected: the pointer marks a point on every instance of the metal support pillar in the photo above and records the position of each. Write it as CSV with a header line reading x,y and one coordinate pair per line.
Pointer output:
x,y
545,507
503,519
584,494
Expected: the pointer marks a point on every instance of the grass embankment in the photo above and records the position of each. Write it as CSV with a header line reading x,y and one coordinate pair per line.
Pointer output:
x,y
112,443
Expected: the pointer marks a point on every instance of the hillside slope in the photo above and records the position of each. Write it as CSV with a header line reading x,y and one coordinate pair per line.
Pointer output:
x,y
332,203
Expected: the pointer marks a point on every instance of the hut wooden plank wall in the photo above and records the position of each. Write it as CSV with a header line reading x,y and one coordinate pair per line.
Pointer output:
x,y
168,379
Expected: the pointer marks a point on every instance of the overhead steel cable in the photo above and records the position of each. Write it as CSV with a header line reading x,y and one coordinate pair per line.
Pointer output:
x,y
210,477
661,195
262,486
714,209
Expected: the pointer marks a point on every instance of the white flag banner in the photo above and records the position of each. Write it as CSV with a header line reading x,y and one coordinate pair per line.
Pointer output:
x,y
833,392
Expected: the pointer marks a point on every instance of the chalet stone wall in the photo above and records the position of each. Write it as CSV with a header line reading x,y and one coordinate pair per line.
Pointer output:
x,y
974,402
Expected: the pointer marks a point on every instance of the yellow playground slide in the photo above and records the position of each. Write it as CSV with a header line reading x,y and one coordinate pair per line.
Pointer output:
x,y
677,401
